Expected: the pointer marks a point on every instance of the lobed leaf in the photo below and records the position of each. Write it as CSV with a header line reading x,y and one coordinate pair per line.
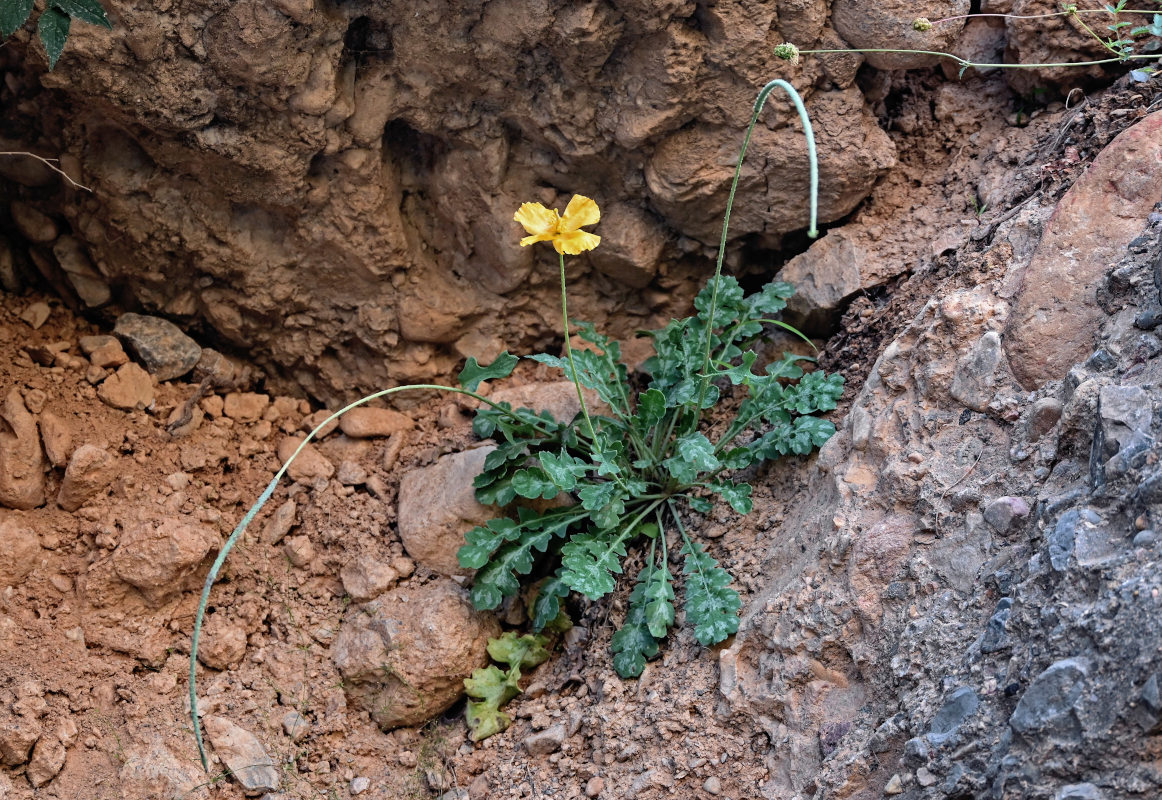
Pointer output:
x,y
711,605
633,644
590,561
474,374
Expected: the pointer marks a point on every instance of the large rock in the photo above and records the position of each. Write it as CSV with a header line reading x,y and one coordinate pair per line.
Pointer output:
x,y
1056,310
161,346
21,460
243,755
369,205
404,657
155,557
437,506
90,470
19,551
887,25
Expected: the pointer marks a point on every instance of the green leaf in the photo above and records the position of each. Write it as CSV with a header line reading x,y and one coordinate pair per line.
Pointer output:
x,y
816,391
736,494
711,605
85,10
498,493
563,469
590,561
521,652
659,595
633,644
534,484
596,495
54,31
700,504
547,611
474,374
13,14
696,450
483,541
497,579
651,408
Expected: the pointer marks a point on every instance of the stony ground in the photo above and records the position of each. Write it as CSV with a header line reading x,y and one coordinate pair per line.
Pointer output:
x,y
914,598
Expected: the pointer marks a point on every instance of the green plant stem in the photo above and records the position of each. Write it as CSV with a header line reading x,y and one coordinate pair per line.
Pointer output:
x,y
1074,13
812,230
970,64
253,512
569,352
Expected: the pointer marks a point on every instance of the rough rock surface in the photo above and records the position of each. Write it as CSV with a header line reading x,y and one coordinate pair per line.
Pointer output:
x,y
1012,604
159,344
90,470
437,506
21,460
243,756
1057,307
364,197
154,557
404,657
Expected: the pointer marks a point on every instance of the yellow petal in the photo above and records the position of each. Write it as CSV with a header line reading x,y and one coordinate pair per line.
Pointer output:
x,y
575,242
537,219
538,237
580,211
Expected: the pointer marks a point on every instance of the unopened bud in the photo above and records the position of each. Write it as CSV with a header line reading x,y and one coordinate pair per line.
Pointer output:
x,y
921,24
787,52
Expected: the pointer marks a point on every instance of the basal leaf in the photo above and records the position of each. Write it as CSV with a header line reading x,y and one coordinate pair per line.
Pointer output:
x,y
13,14
700,504
590,561
547,606
696,450
659,595
483,540
522,652
633,644
595,495
563,469
651,408
534,483
497,579
474,374
711,605
54,31
736,494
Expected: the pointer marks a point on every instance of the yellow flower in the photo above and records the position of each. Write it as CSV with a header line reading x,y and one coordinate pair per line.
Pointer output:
x,y
563,230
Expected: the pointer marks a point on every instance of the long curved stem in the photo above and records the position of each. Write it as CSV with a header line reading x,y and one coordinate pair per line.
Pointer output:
x,y
812,230
212,577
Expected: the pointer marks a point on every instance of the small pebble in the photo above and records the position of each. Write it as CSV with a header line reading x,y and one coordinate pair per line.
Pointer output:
x,y
1144,538
713,785
360,785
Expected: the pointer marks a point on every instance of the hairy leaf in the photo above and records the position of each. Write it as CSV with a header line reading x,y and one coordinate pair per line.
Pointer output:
x,y
85,10
659,595
474,374
651,408
534,483
563,469
54,31
633,644
547,606
591,560
497,578
13,14
736,494
711,605
521,652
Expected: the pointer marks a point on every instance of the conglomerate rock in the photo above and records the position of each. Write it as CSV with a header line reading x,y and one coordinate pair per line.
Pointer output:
x,y
331,186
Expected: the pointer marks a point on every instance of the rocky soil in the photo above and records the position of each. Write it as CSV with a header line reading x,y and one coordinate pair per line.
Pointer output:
x,y
957,598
